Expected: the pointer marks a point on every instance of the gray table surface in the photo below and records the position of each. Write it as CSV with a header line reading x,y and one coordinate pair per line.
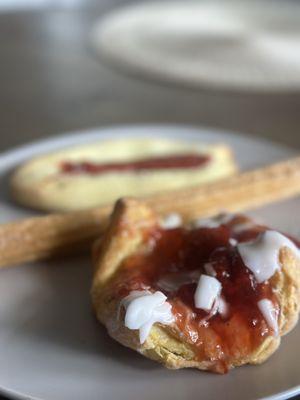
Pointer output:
x,y
51,81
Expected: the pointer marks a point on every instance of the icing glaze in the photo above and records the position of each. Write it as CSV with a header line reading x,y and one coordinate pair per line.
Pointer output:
x,y
171,221
207,292
261,255
213,222
233,242
143,309
223,307
270,314
209,269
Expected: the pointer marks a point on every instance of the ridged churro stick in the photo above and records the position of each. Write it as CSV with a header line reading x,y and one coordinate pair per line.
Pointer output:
x,y
43,237
244,191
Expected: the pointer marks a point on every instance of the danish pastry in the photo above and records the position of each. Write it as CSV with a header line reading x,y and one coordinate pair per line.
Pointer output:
x,y
211,294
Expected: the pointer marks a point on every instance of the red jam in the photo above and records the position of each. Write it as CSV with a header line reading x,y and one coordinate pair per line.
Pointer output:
x,y
218,339
185,161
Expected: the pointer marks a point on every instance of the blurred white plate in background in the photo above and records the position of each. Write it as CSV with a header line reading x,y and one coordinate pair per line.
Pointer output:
x,y
22,5
52,348
235,44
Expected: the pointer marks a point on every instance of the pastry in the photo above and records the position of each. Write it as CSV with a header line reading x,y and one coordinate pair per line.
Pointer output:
x,y
210,293
96,174
37,238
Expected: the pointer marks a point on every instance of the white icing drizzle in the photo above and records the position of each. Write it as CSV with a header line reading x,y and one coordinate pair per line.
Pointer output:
x,y
233,242
213,311
134,294
206,223
213,222
209,269
171,221
143,309
207,292
223,307
261,256
219,306
269,313
173,282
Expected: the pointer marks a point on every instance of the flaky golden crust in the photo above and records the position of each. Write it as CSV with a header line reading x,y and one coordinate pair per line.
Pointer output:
x,y
165,344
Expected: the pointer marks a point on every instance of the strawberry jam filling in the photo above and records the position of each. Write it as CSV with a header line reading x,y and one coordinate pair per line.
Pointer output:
x,y
173,262
182,161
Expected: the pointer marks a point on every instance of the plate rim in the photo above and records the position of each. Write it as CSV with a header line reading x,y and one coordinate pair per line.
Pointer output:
x,y
129,67
103,130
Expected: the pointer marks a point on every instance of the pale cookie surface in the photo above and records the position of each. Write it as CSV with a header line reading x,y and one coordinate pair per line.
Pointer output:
x,y
99,173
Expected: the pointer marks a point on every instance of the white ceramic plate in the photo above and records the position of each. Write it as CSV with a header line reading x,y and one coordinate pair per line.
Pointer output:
x,y
250,44
51,347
